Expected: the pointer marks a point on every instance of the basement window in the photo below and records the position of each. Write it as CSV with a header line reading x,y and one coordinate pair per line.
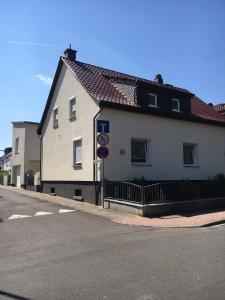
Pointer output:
x,y
52,191
78,194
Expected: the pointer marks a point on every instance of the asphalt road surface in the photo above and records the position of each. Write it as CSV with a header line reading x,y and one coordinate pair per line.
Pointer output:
x,y
73,255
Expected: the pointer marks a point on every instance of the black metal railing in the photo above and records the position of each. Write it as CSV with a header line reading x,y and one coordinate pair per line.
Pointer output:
x,y
125,191
164,192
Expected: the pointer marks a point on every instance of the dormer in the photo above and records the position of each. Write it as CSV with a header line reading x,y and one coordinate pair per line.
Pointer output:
x,y
163,98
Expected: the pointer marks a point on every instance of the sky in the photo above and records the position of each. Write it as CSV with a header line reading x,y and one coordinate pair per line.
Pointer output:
x,y
182,40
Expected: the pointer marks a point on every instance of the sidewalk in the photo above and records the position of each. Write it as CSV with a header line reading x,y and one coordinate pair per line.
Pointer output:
x,y
199,219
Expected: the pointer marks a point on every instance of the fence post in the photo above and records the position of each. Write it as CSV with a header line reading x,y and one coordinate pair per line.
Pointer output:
x,y
142,195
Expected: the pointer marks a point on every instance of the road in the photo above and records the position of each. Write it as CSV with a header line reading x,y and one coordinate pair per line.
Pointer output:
x,y
73,255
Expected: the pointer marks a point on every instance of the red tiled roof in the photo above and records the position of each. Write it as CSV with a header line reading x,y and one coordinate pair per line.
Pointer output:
x,y
220,107
201,109
96,81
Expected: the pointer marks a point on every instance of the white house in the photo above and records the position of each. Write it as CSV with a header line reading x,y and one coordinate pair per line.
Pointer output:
x,y
156,130
25,153
6,160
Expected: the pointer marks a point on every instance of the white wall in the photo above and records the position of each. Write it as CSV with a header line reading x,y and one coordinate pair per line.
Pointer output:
x,y
57,155
32,148
167,137
28,157
18,158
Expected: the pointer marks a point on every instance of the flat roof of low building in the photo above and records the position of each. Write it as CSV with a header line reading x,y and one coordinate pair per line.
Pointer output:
x,y
25,122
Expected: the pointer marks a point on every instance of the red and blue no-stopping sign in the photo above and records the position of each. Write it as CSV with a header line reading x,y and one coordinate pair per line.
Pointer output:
x,y
102,152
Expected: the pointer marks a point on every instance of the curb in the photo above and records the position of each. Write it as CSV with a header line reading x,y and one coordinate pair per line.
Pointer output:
x,y
214,223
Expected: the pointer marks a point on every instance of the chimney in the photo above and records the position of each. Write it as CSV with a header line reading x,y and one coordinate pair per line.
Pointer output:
x,y
70,54
158,78
7,150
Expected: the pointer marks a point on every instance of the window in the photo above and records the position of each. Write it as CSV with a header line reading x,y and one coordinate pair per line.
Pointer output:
x,y
16,145
55,118
139,151
78,192
176,105
190,154
152,100
72,109
78,195
77,153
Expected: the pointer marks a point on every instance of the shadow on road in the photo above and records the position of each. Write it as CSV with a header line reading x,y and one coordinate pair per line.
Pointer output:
x,y
12,296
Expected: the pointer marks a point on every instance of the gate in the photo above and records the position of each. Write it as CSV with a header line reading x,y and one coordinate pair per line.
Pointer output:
x,y
30,178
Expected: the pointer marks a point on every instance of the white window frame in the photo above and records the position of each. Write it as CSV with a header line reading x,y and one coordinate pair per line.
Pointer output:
x,y
195,155
55,119
17,150
156,101
178,104
147,151
75,163
72,112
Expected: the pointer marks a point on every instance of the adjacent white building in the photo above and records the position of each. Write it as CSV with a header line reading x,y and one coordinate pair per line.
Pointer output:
x,y
25,153
6,160
156,131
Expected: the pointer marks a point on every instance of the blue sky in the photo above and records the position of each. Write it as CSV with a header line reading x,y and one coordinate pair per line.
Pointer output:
x,y
182,40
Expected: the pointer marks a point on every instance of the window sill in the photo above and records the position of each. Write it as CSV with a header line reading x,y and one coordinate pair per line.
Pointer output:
x,y
141,164
77,166
72,119
192,166
79,198
153,106
176,111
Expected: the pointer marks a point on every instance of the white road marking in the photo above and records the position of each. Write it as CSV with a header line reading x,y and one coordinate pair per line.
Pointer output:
x,y
42,213
61,211
18,217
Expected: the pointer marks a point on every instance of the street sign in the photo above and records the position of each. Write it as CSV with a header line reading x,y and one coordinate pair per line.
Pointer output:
x,y
102,126
103,139
102,152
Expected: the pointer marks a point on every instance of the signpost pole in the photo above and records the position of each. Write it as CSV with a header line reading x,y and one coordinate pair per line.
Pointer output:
x,y
102,151
102,184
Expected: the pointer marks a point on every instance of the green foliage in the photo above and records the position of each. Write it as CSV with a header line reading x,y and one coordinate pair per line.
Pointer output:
x,y
2,173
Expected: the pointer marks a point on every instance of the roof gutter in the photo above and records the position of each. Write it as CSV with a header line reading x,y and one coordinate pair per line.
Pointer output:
x,y
94,143
94,158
